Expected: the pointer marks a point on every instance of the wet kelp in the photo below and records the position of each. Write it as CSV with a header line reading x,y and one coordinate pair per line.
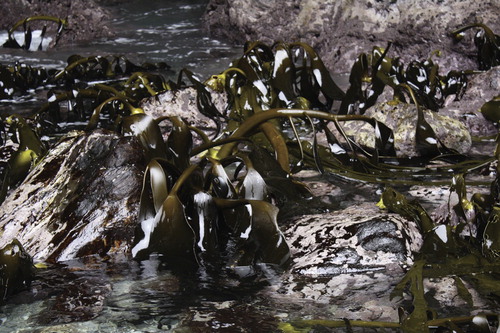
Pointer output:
x,y
217,202
27,33
16,269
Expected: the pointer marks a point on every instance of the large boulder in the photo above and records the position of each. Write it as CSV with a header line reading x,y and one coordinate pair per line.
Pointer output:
x,y
340,30
81,199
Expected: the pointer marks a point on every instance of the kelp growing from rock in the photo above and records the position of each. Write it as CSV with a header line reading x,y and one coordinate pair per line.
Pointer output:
x,y
197,208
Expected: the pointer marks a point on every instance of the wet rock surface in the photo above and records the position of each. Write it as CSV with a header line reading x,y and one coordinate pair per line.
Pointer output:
x,y
82,199
402,119
357,254
341,30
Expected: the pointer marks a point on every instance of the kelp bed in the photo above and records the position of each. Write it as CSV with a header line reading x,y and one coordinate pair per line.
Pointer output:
x,y
282,106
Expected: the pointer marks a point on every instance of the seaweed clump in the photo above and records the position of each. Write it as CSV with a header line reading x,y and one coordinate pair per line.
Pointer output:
x,y
217,201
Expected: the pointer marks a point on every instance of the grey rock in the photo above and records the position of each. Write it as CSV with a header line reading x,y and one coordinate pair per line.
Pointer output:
x,y
182,103
81,199
350,259
402,119
340,30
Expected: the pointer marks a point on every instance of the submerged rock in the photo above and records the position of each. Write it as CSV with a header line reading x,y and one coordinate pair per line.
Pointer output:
x,y
82,199
402,119
340,30
356,255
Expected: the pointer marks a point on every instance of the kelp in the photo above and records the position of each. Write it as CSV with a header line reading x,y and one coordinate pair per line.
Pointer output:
x,y
27,31
16,269
372,72
29,152
218,202
487,44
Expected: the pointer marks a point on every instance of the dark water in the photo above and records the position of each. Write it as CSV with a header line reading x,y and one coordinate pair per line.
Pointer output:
x,y
146,31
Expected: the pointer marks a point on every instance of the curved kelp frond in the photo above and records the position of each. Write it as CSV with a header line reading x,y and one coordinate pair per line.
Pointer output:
x,y
487,43
13,38
30,151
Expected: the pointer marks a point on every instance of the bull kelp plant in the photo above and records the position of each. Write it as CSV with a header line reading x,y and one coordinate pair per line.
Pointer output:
x,y
213,199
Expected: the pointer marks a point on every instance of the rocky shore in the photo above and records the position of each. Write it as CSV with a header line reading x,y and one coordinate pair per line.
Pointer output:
x,y
87,20
341,30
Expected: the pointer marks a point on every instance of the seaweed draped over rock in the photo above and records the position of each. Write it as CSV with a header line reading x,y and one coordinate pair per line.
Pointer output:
x,y
128,183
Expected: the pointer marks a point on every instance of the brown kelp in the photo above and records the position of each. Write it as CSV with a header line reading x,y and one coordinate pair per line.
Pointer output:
x,y
16,269
217,201
26,23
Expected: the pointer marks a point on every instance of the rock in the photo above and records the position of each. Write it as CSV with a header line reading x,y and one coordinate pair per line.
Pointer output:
x,y
340,30
82,199
402,119
481,88
182,103
86,19
350,259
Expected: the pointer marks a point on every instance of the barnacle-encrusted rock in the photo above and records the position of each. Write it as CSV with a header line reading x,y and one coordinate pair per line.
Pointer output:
x,y
340,30
82,199
356,254
402,119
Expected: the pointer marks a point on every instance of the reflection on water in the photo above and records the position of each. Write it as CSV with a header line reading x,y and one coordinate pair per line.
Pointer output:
x,y
96,296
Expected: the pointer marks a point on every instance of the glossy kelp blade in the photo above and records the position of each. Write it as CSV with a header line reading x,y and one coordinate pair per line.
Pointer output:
x,y
397,203
254,224
278,143
29,152
283,75
168,232
491,109
253,186
146,130
272,245
17,270
11,41
487,43
365,85
203,98
416,321
219,182
204,221
321,75
179,143
280,185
